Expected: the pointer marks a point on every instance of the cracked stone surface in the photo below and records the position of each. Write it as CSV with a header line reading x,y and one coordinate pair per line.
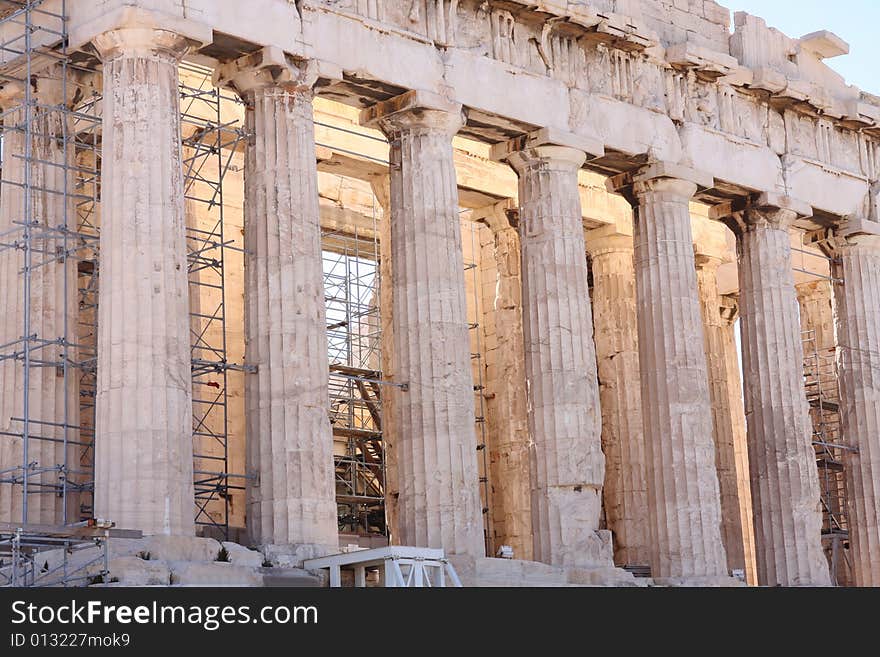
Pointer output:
x,y
728,417
857,318
684,508
617,352
506,402
290,446
785,483
565,423
143,453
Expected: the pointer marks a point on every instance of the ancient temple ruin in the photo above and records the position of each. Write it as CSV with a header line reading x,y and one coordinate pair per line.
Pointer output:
x,y
534,293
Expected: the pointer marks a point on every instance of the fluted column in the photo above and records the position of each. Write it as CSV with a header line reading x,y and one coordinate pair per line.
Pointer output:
x,y
143,451
857,318
823,395
785,483
684,508
290,447
439,503
617,353
505,391
730,315
728,418
565,423
381,185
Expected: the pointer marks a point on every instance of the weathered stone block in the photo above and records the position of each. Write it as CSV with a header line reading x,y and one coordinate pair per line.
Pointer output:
x,y
168,548
241,556
134,571
214,574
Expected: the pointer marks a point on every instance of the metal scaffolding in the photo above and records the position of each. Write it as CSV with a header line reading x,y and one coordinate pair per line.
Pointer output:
x,y
351,293
74,555
46,246
212,133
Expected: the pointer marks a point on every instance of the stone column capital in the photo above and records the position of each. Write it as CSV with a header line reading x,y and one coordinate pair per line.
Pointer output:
x,y
851,243
563,157
730,308
765,209
141,41
547,145
867,243
599,242
267,68
856,230
415,110
677,181
851,234
707,261
500,216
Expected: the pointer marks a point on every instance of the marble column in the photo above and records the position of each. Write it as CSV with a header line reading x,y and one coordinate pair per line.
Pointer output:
x,y
565,423
728,417
857,318
684,507
505,391
53,400
143,450
785,483
822,385
730,314
617,353
381,185
290,449
439,503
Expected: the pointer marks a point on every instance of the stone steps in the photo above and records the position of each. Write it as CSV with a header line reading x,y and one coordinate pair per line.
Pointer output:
x,y
178,561
487,572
